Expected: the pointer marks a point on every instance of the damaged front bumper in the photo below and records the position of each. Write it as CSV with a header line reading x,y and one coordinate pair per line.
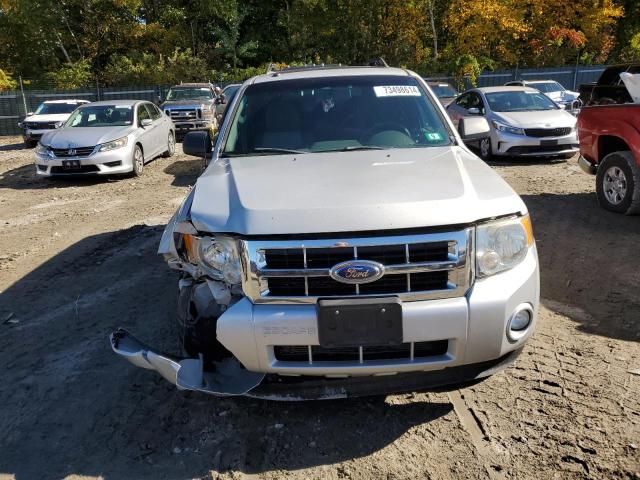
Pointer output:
x,y
229,378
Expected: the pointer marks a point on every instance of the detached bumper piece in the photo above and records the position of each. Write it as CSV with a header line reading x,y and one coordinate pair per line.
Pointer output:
x,y
228,379
231,379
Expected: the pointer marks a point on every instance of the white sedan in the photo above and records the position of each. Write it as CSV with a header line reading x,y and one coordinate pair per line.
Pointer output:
x,y
524,122
104,138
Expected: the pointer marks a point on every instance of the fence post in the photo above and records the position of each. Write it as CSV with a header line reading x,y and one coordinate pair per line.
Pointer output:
x,y
24,100
97,90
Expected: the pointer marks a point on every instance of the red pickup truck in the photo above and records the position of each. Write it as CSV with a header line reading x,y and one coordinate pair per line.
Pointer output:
x,y
610,149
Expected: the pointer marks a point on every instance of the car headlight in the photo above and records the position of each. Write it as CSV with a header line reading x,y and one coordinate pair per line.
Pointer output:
x,y
41,149
508,128
114,144
502,244
215,255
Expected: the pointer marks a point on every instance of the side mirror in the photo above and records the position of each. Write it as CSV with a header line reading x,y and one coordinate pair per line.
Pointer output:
x,y
474,111
159,100
145,122
473,128
221,100
198,144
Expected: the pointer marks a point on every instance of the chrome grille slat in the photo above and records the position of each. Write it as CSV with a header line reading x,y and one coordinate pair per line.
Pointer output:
x,y
436,253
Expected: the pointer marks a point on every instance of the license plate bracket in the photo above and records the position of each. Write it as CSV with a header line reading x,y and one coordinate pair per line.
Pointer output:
x,y
548,143
360,322
71,164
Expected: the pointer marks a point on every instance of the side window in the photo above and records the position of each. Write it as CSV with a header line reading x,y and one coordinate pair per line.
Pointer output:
x,y
143,113
475,101
463,101
153,111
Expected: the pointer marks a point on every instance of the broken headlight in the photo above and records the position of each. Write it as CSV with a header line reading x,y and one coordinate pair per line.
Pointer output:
x,y
502,244
216,256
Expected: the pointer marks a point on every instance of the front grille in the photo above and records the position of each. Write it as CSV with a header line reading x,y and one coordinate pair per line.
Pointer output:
x,y
40,125
547,132
316,353
72,152
533,149
82,169
190,114
415,267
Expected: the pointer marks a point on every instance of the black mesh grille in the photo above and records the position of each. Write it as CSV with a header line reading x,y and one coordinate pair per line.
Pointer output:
x,y
40,125
300,353
82,169
547,132
533,149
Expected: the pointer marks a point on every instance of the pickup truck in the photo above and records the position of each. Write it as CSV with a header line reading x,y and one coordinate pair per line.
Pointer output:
x,y
609,89
610,149
191,106
343,241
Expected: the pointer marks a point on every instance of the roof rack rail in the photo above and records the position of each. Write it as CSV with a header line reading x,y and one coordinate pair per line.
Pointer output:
x,y
378,62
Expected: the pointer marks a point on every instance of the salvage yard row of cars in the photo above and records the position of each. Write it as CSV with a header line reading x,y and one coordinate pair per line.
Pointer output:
x,y
422,274
76,137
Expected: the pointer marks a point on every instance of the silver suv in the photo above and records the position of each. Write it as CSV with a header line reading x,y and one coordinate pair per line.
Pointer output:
x,y
343,241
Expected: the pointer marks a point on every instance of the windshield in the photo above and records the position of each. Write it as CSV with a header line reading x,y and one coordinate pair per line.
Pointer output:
x,y
444,91
333,114
55,108
230,91
519,102
102,116
184,93
546,87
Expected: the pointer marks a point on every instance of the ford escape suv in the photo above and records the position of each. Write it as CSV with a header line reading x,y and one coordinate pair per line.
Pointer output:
x,y
343,241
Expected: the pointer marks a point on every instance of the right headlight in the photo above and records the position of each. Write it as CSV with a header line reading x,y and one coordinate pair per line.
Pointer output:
x,y
502,244
41,149
215,255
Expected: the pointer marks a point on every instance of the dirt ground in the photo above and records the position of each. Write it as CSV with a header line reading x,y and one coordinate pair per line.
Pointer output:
x,y
77,259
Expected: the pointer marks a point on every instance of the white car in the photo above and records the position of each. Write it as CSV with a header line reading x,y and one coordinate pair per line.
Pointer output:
x,y
567,99
48,116
524,122
105,138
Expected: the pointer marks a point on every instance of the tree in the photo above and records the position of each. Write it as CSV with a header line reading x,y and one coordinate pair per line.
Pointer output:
x,y
6,81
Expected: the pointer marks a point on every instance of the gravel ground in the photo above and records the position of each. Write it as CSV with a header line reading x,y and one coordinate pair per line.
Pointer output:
x,y
77,259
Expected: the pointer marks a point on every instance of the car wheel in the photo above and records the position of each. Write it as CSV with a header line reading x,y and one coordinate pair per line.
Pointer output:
x,y
171,146
618,183
137,161
486,152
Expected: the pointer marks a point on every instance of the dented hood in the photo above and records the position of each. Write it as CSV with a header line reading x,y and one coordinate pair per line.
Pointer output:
x,y
349,192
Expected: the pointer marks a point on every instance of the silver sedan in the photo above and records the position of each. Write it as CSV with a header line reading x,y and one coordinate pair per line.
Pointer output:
x,y
104,138
524,122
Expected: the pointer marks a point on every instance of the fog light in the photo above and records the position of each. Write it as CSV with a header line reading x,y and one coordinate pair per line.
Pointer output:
x,y
519,322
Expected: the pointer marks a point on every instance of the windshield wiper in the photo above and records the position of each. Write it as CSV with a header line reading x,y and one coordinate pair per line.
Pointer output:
x,y
278,150
259,151
353,148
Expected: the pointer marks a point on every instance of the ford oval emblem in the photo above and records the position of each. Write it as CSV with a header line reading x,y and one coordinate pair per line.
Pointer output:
x,y
357,271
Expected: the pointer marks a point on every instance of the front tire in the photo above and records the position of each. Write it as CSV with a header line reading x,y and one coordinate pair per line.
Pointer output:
x,y
137,161
171,146
485,149
618,184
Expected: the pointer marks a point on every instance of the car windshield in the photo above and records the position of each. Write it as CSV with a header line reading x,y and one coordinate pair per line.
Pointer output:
x,y
230,91
55,108
334,114
546,87
102,116
444,91
193,93
519,101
